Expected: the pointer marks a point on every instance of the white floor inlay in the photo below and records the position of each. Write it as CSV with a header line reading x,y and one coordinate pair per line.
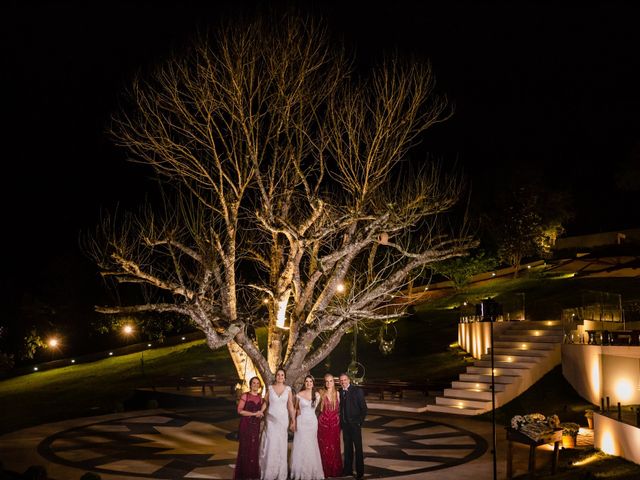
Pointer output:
x,y
191,438
402,422
211,472
138,466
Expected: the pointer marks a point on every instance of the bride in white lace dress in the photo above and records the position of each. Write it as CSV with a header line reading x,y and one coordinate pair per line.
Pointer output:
x,y
306,463
274,443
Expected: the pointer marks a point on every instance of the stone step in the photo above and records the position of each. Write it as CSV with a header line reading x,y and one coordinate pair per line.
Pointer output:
x,y
468,394
463,402
524,344
502,371
529,339
481,378
503,364
527,353
515,358
455,410
556,332
485,387
540,324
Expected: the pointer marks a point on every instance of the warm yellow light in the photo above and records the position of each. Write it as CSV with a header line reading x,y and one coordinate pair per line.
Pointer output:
x,y
549,323
608,445
624,390
460,405
127,329
73,361
281,309
537,333
464,303
595,376
528,266
426,288
265,300
509,359
493,274
35,369
53,342
524,346
586,460
340,288
477,385
110,354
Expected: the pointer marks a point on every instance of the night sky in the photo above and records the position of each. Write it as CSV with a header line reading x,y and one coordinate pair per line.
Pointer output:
x,y
544,89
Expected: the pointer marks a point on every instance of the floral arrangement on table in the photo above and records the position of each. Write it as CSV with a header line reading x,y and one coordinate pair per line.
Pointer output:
x,y
535,425
570,428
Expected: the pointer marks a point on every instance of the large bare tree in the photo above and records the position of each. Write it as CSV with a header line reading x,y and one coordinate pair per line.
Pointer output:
x,y
287,191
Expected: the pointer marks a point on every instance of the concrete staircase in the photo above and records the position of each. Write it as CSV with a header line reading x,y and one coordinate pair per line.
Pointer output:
x,y
523,353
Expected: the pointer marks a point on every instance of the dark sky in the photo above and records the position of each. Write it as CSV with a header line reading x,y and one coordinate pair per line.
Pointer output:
x,y
552,90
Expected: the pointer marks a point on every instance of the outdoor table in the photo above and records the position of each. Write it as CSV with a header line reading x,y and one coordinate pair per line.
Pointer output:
x,y
513,435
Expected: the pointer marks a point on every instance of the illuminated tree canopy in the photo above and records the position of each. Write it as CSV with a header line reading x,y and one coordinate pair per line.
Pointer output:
x,y
284,181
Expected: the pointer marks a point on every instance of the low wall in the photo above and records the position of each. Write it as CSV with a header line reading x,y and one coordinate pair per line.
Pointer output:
x,y
616,438
598,371
475,337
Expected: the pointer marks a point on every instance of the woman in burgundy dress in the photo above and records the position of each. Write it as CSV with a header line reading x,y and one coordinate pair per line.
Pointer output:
x,y
249,408
329,429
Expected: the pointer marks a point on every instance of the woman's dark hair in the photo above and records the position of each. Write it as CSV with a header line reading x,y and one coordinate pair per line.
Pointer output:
x,y
252,379
313,390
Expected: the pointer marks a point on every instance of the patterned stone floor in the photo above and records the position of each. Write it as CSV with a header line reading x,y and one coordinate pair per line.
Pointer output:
x,y
179,444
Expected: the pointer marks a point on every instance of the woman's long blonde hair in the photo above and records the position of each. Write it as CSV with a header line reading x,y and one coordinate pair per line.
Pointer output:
x,y
334,395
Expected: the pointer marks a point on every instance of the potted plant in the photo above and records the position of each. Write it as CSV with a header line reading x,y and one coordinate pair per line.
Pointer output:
x,y
589,416
569,434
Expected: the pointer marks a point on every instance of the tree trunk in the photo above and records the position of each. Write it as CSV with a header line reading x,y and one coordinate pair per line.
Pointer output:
x,y
244,366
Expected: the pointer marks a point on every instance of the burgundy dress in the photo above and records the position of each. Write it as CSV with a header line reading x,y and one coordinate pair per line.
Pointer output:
x,y
247,466
329,439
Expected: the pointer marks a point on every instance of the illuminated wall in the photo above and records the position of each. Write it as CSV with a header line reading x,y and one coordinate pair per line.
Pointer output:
x,y
475,337
603,371
616,438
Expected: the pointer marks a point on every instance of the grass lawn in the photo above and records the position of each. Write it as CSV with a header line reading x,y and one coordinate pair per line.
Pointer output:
x,y
104,386
99,387
545,295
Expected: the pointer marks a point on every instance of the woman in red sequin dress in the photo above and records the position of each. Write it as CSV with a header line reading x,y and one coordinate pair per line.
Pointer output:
x,y
249,408
329,429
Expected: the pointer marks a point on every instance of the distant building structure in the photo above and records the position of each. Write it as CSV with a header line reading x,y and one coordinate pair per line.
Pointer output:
x,y
594,240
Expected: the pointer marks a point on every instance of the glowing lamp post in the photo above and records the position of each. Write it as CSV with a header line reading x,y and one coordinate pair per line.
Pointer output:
x,y
54,344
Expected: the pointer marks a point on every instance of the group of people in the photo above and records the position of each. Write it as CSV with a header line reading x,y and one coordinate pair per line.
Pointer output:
x,y
315,416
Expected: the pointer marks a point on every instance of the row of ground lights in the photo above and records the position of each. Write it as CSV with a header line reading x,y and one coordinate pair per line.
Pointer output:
x,y
127,330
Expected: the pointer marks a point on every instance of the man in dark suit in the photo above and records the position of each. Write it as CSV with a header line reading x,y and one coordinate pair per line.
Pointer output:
x,y
353,410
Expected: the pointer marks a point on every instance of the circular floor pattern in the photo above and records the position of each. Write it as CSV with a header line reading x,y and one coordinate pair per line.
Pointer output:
x,y
198,445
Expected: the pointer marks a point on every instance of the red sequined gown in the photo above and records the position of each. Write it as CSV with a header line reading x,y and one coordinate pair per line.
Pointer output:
x,y
329,438
247,466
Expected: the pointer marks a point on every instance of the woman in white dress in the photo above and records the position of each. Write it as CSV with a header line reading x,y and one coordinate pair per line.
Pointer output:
x,y
306,463
278,402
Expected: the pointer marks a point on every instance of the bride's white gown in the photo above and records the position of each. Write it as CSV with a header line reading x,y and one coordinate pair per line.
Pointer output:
x,y
273,447
306,463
